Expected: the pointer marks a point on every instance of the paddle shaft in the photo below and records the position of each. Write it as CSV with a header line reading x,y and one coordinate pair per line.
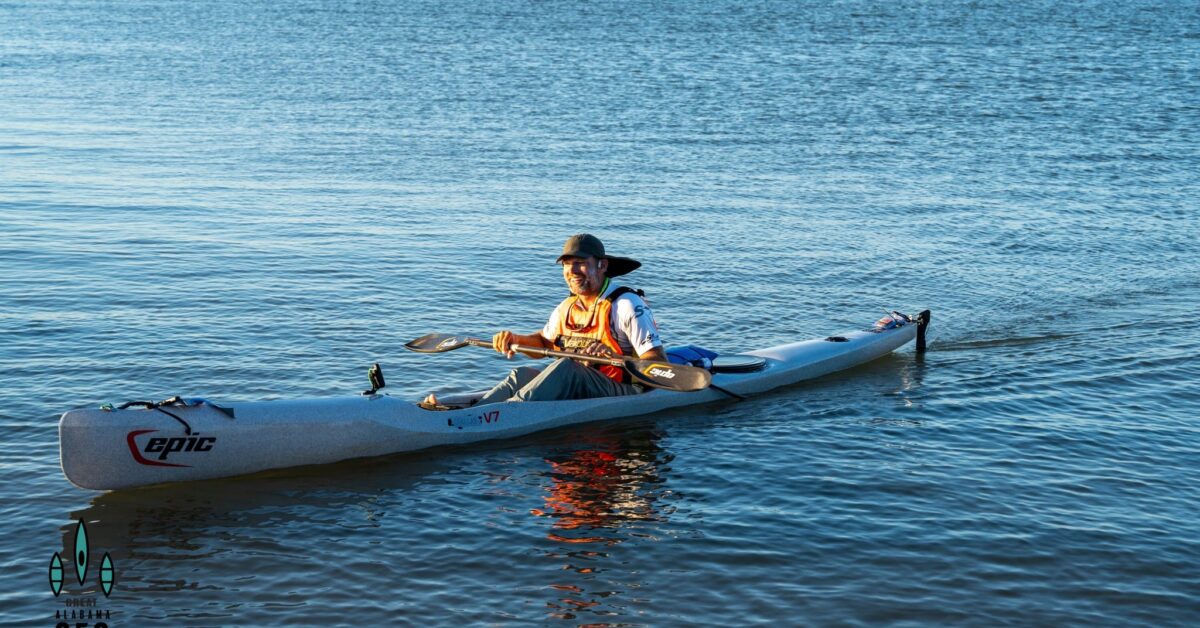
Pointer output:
x,y
657,373
553,353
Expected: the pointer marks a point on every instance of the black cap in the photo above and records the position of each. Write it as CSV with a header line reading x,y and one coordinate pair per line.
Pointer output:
x,y
588,245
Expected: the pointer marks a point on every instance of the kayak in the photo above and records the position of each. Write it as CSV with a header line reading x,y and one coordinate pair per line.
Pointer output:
x,y
195,439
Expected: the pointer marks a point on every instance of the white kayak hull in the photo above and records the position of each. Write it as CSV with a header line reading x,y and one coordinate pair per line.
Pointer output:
x,y
114,449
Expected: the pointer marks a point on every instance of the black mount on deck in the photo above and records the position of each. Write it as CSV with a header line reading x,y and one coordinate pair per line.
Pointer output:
x,y
375,376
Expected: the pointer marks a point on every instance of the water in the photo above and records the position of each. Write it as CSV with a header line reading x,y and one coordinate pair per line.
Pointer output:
x,y
258,200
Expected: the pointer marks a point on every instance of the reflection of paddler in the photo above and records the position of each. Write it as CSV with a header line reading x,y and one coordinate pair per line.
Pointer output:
x,y
601,488
581,493
607,488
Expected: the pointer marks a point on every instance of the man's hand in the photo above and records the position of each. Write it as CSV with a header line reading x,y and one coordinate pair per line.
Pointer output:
x,y
503,342
597,349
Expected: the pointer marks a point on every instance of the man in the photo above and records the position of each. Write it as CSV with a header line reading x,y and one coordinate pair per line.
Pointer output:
x,y
599,318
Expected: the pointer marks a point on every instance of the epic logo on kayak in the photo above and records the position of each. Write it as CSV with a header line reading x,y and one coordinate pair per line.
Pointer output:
x,y
159,448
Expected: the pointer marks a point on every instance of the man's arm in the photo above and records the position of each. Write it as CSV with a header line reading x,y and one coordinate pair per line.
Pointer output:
x,y
657,353
503,342
636,322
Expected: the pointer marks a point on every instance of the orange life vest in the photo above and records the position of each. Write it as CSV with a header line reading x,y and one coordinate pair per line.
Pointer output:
x,y
570,337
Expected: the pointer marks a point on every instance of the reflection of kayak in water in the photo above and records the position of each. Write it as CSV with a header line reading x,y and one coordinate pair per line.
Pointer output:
x,y
195,439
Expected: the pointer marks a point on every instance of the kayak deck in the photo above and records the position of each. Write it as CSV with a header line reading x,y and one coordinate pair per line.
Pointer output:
x,y
113,449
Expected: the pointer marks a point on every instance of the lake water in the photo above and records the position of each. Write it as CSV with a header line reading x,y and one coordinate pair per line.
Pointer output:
x,y
258,200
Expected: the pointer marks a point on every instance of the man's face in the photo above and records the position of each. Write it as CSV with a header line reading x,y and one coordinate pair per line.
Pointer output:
x,y
584,275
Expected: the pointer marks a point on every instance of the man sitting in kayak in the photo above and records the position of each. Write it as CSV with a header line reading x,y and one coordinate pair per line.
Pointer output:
x,y
599,318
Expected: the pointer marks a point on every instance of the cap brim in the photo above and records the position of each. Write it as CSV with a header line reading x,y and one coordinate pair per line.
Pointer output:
x,y
618,266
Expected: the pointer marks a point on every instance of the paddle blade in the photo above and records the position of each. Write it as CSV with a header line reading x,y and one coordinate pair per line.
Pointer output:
x,y
437,343
669,376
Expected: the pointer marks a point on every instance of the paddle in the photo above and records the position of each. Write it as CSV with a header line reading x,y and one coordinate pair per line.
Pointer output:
x,y
649,372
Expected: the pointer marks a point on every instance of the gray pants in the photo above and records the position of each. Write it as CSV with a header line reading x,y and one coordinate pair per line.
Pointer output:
x,y
564,379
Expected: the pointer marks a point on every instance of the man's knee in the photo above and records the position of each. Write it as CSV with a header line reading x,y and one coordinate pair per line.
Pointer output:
x,y
562,367
522,375
557,381
526,372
